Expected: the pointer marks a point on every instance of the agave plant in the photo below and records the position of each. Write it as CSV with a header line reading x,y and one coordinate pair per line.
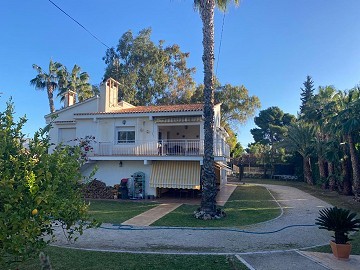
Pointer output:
x,y
340,221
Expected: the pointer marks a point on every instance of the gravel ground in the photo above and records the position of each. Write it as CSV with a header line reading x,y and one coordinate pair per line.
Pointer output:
x,y
299,208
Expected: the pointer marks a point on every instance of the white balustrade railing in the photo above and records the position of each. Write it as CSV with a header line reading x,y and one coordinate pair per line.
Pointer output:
x,y
161,147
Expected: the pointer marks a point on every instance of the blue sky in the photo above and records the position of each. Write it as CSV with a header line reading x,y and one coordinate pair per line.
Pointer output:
x,y
268,45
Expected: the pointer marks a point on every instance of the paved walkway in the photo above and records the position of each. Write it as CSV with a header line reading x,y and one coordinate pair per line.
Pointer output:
x,y
152,215
225,193
276,241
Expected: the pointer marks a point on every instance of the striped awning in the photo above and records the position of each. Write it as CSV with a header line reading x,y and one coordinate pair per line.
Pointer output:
x,y
175,174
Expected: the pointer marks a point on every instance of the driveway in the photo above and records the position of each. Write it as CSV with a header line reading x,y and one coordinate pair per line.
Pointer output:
x,y
294,229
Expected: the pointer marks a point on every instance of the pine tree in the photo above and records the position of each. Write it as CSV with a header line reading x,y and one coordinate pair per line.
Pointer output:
x,y
306,93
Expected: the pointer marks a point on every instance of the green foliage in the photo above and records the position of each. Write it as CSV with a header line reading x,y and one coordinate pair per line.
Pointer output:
x,y
37,190
306,93
300,138
149,73
48,81
272,124
58,78
237,106
347,118
76,82
237,151
340,221
220,4
260,153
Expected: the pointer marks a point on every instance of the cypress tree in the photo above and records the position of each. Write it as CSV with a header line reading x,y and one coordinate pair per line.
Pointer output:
x,y
306,93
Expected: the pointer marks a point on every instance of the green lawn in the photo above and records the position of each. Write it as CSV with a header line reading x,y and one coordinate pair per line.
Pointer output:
x,y
116,212
248,204
67,259
331,197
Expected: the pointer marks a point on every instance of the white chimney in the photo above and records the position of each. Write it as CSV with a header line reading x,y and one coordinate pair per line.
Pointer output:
x,y
70,98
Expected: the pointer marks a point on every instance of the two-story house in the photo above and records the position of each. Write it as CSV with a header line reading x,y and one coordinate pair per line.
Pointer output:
x,y
165,143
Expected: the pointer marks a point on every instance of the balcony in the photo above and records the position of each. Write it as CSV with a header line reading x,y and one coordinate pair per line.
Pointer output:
x,y
160,148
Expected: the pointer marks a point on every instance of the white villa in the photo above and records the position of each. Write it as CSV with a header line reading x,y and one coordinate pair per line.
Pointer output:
x,y
163,144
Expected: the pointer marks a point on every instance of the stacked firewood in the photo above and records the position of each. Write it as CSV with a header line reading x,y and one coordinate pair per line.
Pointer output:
x,y
98,190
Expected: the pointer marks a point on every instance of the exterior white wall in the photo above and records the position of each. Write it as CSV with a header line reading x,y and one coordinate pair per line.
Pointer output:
x,y
106,128
217,115
223,177
86,127
110,173
66,114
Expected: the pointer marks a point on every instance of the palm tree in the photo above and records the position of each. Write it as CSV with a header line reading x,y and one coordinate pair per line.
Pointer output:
x,y
337,152
300,138
349,124
76,82
317,113
48,81
206,9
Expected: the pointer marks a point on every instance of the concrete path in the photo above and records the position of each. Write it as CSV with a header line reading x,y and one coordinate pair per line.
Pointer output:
x,y
225,193
280,237
152,215
328,260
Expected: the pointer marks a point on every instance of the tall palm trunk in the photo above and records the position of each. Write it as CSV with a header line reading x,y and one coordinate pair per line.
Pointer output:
x,y
322,171
345,184
50,93
355,167
346,177
208,179
307,170
331,176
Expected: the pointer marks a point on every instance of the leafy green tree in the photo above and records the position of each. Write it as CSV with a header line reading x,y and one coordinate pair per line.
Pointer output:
x,y
272,125
237,151
37,190
306,94
237,105
48,81
261,153
149,73
206,9
76,82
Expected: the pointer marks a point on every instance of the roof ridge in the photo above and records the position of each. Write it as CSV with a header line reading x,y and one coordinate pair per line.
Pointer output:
x,y
153,109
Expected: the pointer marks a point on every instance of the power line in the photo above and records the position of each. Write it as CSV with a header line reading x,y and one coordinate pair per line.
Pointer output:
x,y
79,24
221,35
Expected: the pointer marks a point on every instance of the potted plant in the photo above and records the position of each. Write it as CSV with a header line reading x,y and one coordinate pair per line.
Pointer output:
x,y
341,222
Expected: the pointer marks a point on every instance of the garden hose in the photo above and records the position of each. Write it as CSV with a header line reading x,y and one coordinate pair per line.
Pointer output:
x,y
136,228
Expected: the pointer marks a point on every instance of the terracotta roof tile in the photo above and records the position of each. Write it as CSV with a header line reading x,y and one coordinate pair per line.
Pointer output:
x,y
153,109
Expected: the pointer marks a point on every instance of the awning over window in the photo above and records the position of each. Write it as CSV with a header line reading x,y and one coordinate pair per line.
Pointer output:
x,y
178,119
175,174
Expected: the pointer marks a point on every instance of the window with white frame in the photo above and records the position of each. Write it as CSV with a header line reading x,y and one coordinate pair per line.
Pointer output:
x,y
125,135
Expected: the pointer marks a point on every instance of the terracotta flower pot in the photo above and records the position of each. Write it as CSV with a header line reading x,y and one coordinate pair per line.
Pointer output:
x,y
341,251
